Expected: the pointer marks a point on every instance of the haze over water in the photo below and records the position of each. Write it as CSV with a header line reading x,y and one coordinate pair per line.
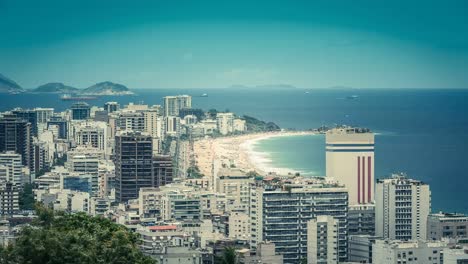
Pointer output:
x,y
420,132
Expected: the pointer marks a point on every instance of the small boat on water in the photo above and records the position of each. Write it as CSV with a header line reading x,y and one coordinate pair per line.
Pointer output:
x,y
204,95
68,97
352,97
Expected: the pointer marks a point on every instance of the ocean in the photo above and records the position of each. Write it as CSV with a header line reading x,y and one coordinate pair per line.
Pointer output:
x,y
421,132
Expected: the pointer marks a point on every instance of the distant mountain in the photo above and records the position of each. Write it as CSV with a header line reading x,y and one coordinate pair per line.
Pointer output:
x,y
266,87
55,88
107,88
9,86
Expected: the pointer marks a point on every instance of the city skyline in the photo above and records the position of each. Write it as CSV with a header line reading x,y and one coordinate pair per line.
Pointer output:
x,y
214,45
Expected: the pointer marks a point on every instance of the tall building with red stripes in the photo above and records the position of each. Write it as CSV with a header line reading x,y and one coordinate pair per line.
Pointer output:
x,y
350,160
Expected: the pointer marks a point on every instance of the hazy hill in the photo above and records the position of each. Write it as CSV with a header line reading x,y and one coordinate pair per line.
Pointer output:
x,y
9,86
107,88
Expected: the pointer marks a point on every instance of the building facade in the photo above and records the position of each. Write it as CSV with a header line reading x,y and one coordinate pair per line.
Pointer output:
x,y
350,160
402,206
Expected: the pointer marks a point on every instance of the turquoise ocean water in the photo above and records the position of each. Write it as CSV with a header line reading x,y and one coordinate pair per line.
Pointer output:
x,y
421,132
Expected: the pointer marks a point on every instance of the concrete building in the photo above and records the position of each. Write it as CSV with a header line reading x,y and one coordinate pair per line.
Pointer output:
x,y
111,107
13,165
133,164
180,206
16,136
27,115
415,252
80,111
446,225
322,240
163,170
60,125
236,185
239,125
279,213
350,160
360,248
9,198
91,133
43,114
361,219
85,164
456,255
173,104
172,125
239,225
265,255
402,206
131,121
225,123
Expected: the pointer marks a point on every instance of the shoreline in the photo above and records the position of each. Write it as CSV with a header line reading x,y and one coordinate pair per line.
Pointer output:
x,y
238,152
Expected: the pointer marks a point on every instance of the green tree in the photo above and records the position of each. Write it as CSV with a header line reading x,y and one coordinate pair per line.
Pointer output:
x,y
26,198
229,256
55,238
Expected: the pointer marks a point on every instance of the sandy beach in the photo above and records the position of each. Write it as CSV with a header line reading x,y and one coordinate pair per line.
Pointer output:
x,y
238,152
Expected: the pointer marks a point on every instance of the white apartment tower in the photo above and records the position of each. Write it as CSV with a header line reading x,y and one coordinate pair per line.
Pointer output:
x,y
225,123
402,207
350,160
322,240
173,104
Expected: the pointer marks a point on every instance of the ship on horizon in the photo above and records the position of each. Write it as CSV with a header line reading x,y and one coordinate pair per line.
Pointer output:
x,y
69,97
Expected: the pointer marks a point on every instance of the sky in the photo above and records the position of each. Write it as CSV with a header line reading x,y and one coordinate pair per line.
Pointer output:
x,y
215,44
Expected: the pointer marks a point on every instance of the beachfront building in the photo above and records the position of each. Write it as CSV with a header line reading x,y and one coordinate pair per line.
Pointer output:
x,y
239,125
322,240
416,252
350,160
402,206
133,164
446,225
225,123
173,104
279,213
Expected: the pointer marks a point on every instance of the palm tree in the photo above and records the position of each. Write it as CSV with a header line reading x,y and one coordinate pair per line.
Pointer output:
x,y
229,256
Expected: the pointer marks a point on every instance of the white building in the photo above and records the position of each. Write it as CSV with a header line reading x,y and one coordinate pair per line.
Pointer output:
x,y
402,206
91,134
239,225
350,160
322,240
12,161
265,255
414,252
225,123
173,104
456,256
236,185
43,114
86,164
172,125
239,125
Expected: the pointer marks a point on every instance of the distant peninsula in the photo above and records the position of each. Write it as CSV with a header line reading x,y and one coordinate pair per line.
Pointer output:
x,y
9,86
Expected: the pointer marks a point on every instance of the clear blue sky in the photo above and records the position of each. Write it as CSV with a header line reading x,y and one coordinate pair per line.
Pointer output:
x,y
209,44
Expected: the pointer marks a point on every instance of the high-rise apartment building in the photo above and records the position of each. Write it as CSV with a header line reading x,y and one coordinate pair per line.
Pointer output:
x,y
43,114
322,240
16,136
133,164
131,121
225,123
12,163
92,134
163,169
173,104
27,115
111,107
402,206
280,213
350,160
80,111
